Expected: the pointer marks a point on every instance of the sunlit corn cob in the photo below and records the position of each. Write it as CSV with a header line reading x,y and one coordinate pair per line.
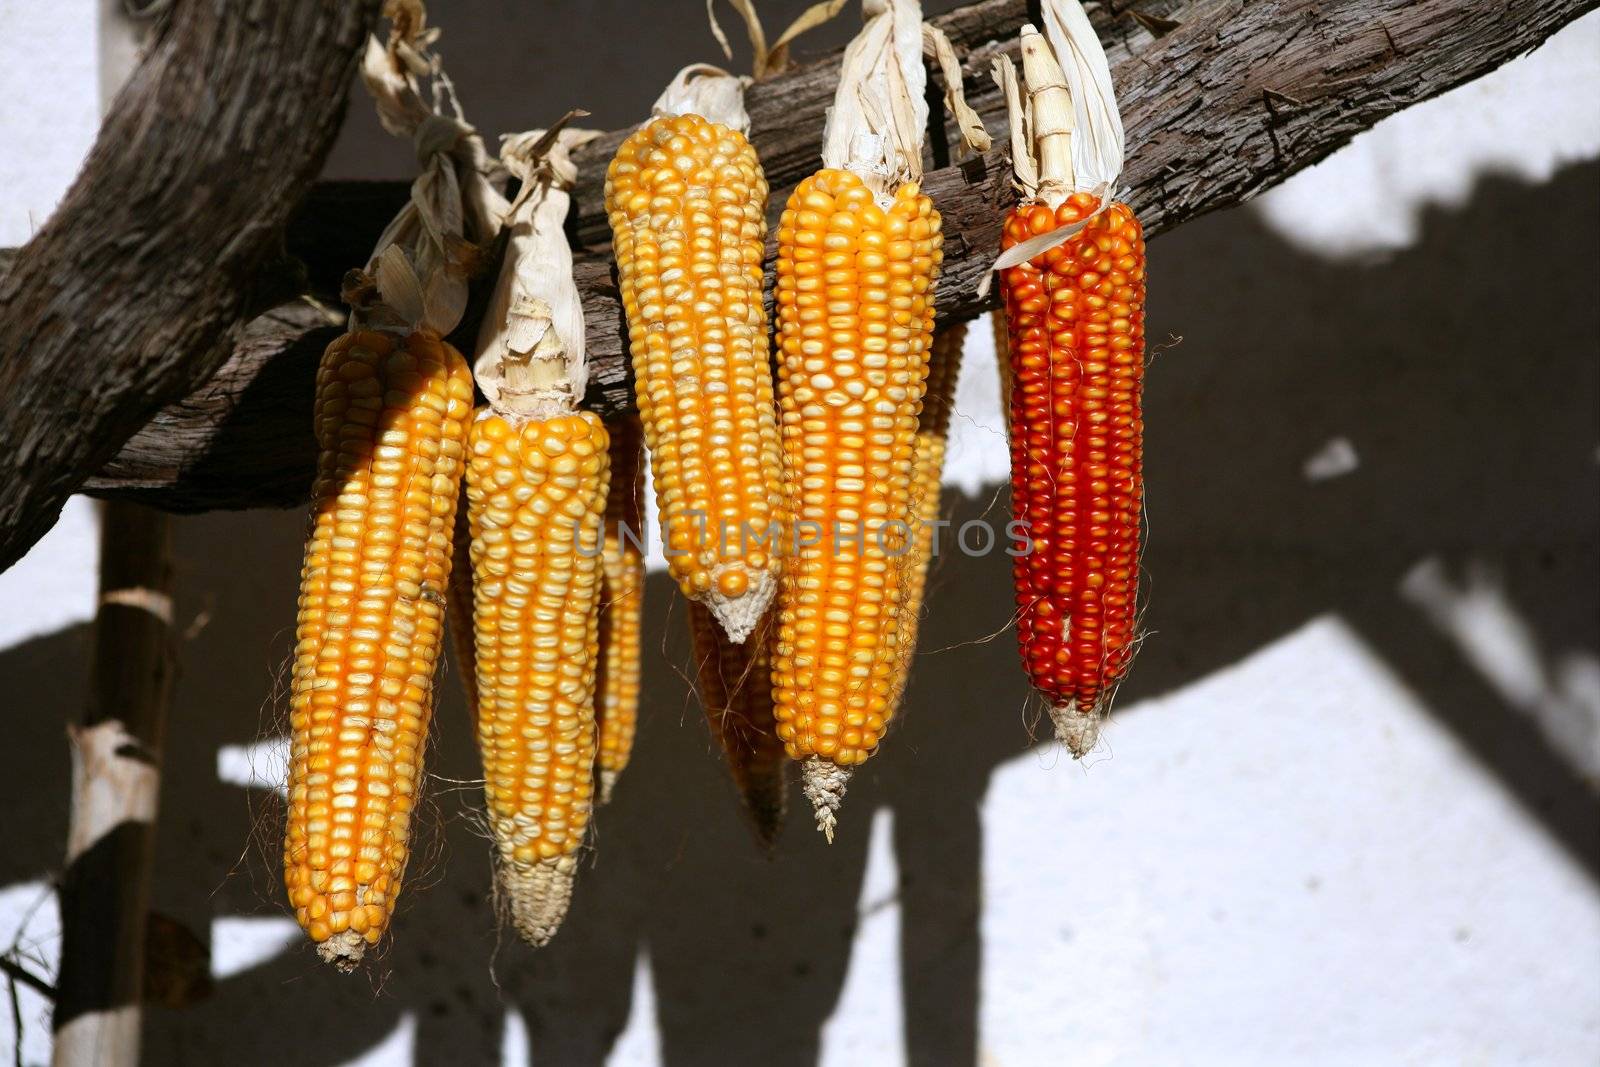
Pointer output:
x,y
621,604
933,428
458,605
391,425
855,321
536,494
736,692
687,202
1076,315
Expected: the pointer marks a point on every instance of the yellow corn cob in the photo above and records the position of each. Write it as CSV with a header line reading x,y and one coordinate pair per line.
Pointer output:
x,y
736,692
391,421
458,607
687,203
622,604
536,494
855,320
933,427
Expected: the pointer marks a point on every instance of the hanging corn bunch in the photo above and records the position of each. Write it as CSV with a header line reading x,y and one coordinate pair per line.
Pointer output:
x,y
621,603
1073,279
536,492
859,247
735,684
687,204
393,401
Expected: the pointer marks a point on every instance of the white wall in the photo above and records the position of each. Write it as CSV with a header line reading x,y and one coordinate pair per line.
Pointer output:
x,y
1344,815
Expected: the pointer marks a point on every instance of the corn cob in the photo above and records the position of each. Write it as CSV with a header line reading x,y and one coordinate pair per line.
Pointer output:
x,y
537,494
855,320
933,427
392,406
622,605
391,419
687,203
1075,312
736,692
1076,453
859,248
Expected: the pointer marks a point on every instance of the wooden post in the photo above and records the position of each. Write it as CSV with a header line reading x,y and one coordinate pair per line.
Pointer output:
x,y
116,777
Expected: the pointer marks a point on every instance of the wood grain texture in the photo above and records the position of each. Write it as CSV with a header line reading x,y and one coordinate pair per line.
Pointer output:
x,y
1236,98
128,298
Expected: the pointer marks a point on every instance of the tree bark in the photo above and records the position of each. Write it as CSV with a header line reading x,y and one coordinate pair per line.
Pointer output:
x,y
128,297
1234,99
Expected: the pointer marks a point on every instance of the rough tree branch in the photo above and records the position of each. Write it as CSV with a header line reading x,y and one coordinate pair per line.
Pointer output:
x,y
1232,101
128,297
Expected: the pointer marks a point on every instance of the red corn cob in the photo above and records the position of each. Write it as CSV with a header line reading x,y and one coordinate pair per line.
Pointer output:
x,y
1076,325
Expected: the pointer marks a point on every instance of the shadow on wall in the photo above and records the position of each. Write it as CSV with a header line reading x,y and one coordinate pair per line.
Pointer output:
x,y
1469,396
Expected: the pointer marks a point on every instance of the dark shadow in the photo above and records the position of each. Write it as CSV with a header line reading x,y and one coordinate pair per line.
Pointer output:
x,y
1463,372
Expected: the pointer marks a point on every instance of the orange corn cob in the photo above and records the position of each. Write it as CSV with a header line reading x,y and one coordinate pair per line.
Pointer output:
x,y
391,423
855,321
933,427
687,205
621,604
1076,315
536,493
736,691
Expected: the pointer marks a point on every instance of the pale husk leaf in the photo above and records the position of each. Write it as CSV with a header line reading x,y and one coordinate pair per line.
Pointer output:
x,y
707,91
1097,143
936,45
766,61
1098,139
879,115
530,356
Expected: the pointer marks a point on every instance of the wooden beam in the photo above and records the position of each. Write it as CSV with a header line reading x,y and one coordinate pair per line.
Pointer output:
x,y
1233,100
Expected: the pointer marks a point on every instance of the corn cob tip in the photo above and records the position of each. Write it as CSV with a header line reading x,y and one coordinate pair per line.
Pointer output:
x,y
539,896
824,783
738,615
343,950
1078,730
608,782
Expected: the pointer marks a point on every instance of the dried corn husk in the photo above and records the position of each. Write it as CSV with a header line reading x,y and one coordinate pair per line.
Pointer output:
x,y
530,356
1066,132
418,273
